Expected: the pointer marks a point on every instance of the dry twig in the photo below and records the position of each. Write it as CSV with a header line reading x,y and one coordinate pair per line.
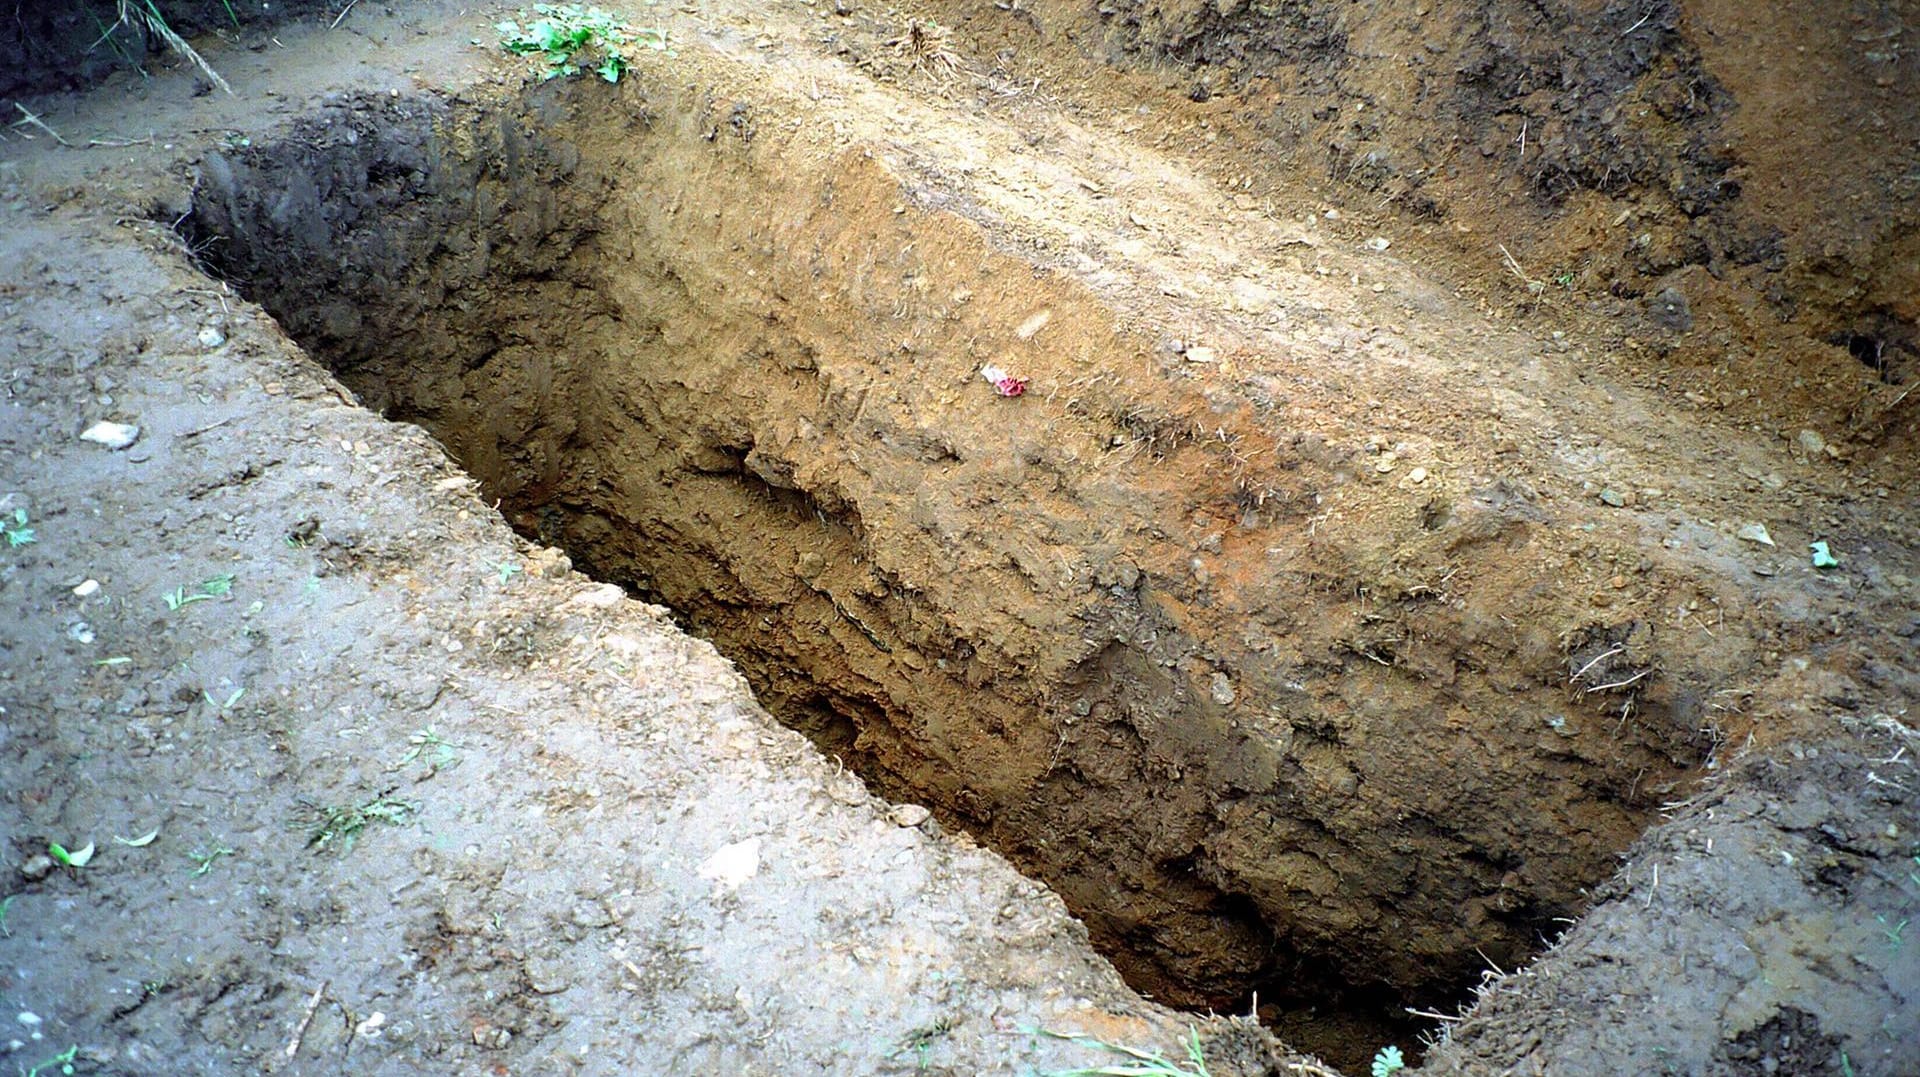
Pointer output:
x,y
306,1020
30,120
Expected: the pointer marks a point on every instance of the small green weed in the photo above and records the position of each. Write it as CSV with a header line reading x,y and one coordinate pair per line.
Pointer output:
x,y
329,823
507,570
63,1060
209,590
1140,1063
565,35
204,857
226,704
74,859
1895,933
1388,1062
18,533
430,748
921,1040
5,907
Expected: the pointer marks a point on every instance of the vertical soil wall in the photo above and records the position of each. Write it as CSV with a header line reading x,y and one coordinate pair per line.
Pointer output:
x,y
1102,628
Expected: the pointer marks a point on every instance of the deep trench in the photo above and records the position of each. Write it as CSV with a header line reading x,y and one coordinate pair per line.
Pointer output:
x,y
669,351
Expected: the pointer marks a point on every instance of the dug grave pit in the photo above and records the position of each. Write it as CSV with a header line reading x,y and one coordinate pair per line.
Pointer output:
x,y
741,377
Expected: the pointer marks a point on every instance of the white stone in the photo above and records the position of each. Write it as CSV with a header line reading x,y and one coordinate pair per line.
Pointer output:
x,y
112,435
909,815
732,864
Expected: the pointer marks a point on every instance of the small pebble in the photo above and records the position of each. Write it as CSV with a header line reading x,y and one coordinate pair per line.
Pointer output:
x,y
1199,354
36,867
909,815
1417,476
87,589
600,596
1613,497
1222,690
212,337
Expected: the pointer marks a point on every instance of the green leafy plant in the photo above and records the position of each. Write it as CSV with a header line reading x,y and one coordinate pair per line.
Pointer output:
x,y
5,906
75,859
1388,1062
209,590
18,533
571,38
328,823
1822,555
63,1060
204,857
430,748
1138,1063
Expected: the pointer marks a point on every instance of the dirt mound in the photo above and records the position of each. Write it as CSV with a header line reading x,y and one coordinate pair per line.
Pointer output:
x,y
1754,162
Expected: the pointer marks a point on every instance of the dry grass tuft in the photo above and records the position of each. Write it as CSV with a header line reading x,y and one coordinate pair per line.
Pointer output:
x,y
142,13
925,46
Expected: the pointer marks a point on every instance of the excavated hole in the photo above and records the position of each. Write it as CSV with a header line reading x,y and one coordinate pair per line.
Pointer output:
x,y
743,385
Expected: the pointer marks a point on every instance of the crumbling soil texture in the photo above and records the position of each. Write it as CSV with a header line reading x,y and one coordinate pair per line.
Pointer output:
x,y
1092,630
1732,185
1322,624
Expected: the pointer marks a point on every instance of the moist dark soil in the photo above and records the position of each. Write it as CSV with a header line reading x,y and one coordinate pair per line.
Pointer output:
x,y
1327,620
49,47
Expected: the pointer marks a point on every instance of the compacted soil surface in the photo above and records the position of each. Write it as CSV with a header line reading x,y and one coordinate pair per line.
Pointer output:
x,y
937,540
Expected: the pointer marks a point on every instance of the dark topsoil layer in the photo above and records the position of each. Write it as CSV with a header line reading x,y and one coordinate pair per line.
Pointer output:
x,y
46,47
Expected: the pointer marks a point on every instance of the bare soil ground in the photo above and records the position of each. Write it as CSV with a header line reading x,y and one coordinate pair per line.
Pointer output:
x,y
1343,599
